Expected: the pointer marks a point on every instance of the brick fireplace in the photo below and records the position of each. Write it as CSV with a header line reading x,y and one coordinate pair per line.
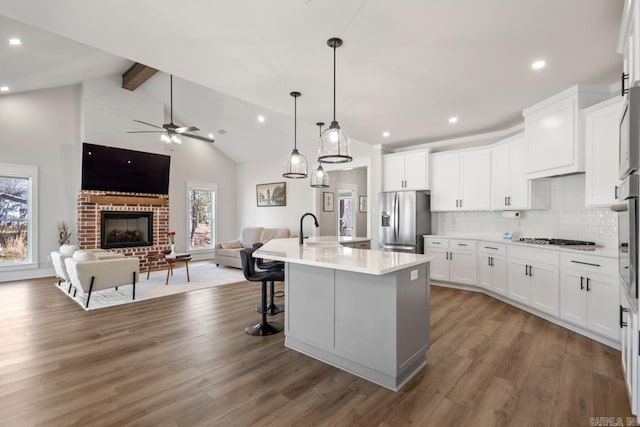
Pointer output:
x,y
94,206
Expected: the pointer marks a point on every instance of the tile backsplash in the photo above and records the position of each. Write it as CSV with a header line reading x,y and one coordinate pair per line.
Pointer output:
x,y
567,218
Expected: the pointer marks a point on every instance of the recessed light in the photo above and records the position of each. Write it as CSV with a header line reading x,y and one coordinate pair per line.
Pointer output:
x,y
453,119
386,134
4,88
537,65
261,119
15,42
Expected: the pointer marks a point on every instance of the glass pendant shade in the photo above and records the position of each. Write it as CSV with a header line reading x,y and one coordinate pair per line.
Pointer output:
x,y
335,146
295,166
319,178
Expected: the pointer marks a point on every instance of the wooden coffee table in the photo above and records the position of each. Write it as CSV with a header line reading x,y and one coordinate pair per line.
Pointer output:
x,y
171,261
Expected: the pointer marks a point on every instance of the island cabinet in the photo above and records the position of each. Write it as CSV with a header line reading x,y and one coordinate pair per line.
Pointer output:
x,y
589,294
461,180
406,171
492,267
363,311
533,276
510,187
602,132
554,126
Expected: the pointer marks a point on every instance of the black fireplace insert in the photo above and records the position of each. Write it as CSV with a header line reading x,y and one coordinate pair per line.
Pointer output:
x,y
126,229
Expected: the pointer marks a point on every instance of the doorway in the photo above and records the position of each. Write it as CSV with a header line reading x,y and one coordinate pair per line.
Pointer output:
x,y
346,218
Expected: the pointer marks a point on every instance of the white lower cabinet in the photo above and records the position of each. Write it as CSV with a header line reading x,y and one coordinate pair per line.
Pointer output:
x,y
534,278
492,267
628,318
518,279
454,263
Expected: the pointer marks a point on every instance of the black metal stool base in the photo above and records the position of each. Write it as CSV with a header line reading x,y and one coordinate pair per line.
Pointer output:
x,y
262,329
272,309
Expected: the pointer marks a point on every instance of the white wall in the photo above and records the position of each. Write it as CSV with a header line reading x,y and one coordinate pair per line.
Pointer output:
x,y
109,111
42,128
567,218
300,196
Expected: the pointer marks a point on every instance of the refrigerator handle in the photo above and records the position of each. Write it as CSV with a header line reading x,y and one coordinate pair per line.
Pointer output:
x,y
395,218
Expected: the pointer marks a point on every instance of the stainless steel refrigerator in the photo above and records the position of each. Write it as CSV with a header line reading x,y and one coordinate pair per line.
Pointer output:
x,y
405,217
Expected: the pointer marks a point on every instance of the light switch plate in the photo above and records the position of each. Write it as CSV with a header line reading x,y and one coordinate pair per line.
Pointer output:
x,y
414,274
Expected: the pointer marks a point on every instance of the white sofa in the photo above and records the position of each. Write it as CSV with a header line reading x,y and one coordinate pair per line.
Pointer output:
x,y
90,272
228,253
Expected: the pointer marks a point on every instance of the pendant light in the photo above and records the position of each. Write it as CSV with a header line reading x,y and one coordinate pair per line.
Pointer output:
x,y
319,177
296,165
335,145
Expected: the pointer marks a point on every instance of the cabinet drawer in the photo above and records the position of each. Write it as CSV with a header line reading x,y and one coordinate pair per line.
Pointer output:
x,y
591,264
532,255
492,248
462,244
436,242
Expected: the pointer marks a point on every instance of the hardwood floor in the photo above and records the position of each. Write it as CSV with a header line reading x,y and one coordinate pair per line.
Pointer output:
x,y
184,360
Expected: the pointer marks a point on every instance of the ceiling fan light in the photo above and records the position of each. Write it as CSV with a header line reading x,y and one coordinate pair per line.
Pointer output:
x,y
165,138
334,146
319,178
175,139
295,166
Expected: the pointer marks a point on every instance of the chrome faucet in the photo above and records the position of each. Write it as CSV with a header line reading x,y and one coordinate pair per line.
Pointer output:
x,y
301,235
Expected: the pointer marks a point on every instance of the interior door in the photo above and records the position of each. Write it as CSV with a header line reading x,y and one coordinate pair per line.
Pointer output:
x,y
407,218
388,232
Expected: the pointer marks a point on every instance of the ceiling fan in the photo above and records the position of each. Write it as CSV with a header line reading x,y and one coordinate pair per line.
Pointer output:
x,y
170,132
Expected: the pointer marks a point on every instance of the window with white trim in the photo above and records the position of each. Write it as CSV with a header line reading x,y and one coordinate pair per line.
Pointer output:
x,y
201,227
18,215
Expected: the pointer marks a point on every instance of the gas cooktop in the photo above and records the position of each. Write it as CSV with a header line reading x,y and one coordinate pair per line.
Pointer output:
x,y
558,242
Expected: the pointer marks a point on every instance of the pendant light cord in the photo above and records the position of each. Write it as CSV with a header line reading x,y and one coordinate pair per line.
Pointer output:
x,y
171,95
295,122
334,83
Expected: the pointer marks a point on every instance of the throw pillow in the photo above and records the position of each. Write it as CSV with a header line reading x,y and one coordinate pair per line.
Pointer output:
x,y
84,256
68,250
231,245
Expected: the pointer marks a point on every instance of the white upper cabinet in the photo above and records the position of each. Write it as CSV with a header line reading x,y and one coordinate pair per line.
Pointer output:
x,y
602,129
461,180
510,187
628,42
554,144
406,171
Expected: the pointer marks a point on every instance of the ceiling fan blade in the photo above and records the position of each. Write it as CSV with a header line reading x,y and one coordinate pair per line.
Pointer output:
x,y
201,138
148,124
186,129
146,131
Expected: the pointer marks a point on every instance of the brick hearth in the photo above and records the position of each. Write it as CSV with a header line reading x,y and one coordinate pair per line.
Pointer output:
x,y
91,203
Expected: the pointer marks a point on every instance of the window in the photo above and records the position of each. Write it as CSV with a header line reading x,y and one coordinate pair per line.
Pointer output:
x,y
202,216
17,215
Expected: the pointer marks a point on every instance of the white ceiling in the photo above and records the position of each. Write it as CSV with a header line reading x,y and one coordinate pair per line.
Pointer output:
x,y
406,66
47,60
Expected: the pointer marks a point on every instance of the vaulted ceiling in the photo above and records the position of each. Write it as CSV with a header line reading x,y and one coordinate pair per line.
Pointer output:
x,y
405,67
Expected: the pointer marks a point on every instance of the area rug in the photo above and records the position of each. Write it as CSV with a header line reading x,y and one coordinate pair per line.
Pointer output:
x,y
202,275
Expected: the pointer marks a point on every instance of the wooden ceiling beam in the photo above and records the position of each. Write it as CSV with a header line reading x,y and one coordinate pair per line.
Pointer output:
x,y
136,75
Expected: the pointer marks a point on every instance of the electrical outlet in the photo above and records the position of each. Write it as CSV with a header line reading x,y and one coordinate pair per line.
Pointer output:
x,y
414,274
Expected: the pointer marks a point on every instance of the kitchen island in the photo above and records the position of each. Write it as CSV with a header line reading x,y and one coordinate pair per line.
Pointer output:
x,y
363,311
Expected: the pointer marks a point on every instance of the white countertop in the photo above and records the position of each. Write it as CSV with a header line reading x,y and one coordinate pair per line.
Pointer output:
x,y
339,257
597,251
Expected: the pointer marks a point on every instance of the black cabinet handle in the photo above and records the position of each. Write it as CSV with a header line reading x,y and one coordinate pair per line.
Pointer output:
x,y
526,270
492,262
489,261
505,201
624,91
615,192
436,243
490,247
586,263
462,244
588,288
509,200
622,322
581,283
450,255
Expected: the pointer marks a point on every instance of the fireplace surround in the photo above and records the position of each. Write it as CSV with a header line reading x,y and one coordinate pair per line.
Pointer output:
x,y
126,229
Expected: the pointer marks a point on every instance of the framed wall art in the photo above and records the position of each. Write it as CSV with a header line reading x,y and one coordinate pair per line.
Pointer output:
x,y
327,201
271,194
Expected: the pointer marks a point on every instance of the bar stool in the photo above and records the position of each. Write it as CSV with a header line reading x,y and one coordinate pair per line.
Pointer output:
x,y
272,308
263,327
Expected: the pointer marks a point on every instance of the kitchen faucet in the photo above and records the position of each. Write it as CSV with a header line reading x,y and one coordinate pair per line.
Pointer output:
x,y
301,235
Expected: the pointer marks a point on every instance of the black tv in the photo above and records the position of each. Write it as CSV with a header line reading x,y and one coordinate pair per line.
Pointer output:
x,y
117,169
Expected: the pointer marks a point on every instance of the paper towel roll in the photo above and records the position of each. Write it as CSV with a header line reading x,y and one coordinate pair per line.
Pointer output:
x,y
511,214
